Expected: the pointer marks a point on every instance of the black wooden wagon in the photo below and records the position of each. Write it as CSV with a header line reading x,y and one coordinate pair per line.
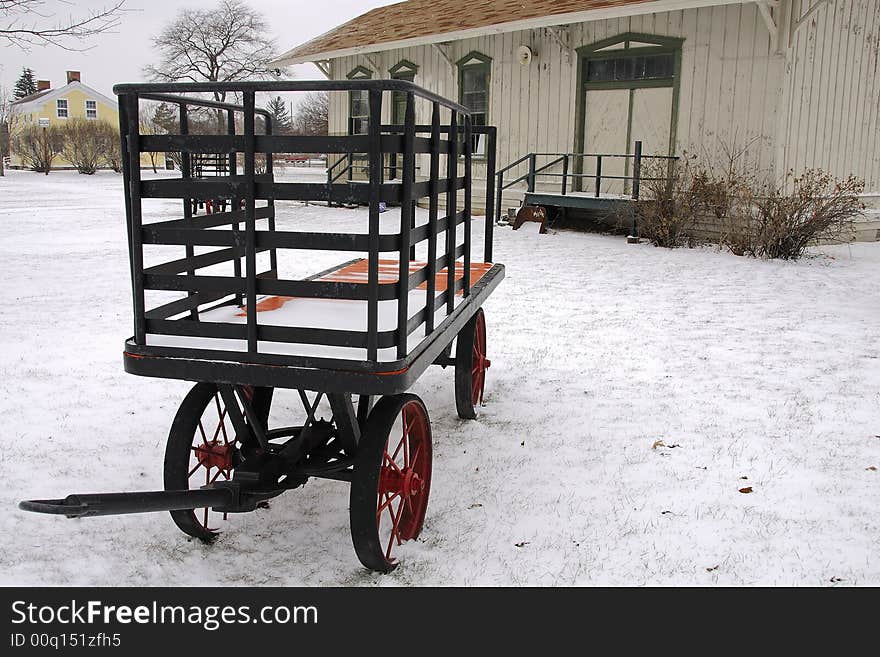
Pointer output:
x,y
365,328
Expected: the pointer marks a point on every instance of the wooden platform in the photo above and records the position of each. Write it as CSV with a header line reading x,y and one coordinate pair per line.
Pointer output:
x,y
579,201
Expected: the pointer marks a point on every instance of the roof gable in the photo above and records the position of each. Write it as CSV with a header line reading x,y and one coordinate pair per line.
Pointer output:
x,y
42,97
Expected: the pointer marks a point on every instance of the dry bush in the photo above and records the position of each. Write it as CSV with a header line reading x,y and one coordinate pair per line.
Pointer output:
x,y
89,145
755,214
38,147
670,202
783,219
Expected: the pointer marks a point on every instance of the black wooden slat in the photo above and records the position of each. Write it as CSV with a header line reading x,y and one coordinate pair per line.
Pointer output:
x,y
407,217
190,264
132,130
433,210
250,254
468,147
374,190
451,210
210,220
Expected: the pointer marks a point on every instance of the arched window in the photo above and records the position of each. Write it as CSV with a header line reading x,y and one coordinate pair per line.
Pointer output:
x,y
403,70
359,103
474,77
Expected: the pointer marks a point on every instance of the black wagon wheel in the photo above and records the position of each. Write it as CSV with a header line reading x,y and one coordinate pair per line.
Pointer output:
x,y
392,480
203,448
470,366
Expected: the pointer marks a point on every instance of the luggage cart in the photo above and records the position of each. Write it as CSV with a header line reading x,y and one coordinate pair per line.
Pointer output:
x,y
357,335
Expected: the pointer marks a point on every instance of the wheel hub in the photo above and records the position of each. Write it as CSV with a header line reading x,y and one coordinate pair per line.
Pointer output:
x,y
405,483
215,455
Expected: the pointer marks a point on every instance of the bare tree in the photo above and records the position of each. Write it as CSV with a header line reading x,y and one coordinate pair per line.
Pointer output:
x,y
38,147
152,123
312,114
26,23
223,44
4,128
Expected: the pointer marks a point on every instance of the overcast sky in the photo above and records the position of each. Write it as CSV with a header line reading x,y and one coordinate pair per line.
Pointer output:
x,y
121,56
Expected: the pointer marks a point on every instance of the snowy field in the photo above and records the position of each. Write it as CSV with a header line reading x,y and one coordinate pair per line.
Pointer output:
x,y
634,392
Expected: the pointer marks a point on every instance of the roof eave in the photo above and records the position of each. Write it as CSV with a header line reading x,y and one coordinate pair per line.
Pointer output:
x,y
290,58
52,94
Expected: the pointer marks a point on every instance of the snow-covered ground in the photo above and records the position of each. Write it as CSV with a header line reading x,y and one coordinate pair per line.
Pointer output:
x,y
633,392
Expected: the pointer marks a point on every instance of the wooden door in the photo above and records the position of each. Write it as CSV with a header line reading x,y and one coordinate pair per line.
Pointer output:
x,y
606,113
651,123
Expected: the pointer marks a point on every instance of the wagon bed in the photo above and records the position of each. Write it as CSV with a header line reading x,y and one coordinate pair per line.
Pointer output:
x,y
205,358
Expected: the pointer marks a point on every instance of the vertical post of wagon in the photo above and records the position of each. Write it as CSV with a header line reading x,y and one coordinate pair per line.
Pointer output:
x,y
126,176
491,155
234,203
433,211
186,173
137,246
270,172
250,253
374,139
451,210
406,218
468,149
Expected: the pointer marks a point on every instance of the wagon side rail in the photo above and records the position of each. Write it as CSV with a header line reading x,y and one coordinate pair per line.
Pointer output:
x,y
238,235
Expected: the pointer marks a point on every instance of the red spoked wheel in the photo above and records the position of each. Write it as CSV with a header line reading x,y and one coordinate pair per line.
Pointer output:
x,y
392,480
203,448
470,366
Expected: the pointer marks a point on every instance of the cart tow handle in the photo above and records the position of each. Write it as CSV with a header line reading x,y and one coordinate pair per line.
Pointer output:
x,y
111,504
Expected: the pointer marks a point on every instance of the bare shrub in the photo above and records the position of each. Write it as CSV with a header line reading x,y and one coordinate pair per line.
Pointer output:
x,y
38,147
89,144
670,202
113,155
756,214
785,218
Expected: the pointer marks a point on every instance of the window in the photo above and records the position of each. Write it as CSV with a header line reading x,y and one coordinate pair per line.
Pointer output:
x,y
631,67
403,71
359,104
474,72
61,108
91,109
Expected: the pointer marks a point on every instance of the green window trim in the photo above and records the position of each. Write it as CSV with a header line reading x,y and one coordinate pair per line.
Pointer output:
x,y
360,73
474,92
621,46
402,69
359,103
407,71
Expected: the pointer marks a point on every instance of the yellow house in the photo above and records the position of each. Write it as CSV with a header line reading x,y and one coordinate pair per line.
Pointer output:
x,y
56,106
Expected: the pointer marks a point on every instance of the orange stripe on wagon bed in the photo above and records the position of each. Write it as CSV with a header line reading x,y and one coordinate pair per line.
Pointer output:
x,y
357,272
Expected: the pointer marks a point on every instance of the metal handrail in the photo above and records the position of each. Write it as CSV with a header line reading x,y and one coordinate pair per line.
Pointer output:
x,y
535,171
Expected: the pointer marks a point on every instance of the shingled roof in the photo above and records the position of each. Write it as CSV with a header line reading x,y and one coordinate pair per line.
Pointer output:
x,y
412,21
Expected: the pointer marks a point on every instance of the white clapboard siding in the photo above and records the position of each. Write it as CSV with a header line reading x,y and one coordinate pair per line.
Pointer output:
x,y
814,104
834,92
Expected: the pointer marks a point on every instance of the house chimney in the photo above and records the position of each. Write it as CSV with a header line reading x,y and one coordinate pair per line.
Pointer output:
x,y
42,85
73,76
